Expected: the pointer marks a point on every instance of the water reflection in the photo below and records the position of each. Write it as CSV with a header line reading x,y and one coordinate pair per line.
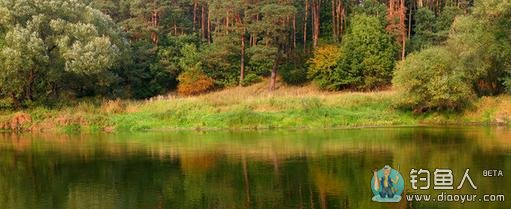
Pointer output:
x,y
267,169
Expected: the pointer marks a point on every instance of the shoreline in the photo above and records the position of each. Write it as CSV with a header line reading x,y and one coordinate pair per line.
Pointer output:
x,y
84,129
251,108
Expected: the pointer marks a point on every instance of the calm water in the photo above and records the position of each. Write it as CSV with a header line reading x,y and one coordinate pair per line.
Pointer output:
x,y
268,169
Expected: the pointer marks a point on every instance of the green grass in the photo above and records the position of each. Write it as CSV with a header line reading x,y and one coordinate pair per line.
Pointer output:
x,y
255,108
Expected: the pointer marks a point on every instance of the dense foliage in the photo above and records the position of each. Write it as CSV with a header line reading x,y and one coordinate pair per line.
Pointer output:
x,y
368,55
430,80
432,29
49,43
367,58
62,50
476,60
322,66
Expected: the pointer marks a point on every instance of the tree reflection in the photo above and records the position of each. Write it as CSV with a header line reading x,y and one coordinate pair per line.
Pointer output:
x,y
280,169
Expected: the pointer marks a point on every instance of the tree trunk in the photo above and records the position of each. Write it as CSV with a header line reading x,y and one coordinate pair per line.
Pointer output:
x,y
305,25
402,26
203,22
155,20
273,77
194,15
255,35
315,21
340,19
294,31
30,87
410,19
208,32
227,23
334,22
242,68
175,29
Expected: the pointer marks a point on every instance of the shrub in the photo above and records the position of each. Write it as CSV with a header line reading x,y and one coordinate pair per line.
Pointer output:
x,y
194,82
322,66
251,79
429,80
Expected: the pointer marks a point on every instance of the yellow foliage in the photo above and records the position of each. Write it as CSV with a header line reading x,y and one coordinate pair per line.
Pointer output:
x,y
194,82
324,59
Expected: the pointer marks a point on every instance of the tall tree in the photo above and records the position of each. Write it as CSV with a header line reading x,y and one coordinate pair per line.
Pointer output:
x,y
338,19
396,18
305,24
46,40
368,55
275,29
316,16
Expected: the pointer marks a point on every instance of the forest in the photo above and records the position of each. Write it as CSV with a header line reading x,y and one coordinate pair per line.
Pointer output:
x,y
438,54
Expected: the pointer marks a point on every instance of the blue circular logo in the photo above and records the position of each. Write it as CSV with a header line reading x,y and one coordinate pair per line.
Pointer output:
x,y
387,185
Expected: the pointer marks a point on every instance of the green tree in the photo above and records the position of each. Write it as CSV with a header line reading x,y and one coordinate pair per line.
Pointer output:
x,y
275,32
222,59
474,61
431,29
47,40
171,52
157,30
368,55
484,41
371,8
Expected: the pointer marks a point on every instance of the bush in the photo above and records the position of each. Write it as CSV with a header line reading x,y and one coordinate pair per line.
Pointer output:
x,y
194,82
322,66
251,79
429,80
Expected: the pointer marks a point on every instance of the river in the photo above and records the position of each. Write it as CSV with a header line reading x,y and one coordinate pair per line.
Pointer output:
x,y
268,169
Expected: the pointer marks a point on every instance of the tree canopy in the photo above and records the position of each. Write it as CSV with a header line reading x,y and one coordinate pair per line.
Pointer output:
x,y
46,41
71,49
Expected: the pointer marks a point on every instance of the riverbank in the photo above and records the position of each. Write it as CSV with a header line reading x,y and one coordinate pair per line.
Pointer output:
x,y
250,107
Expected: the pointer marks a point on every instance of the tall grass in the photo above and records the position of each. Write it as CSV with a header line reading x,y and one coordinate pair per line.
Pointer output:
x,y
252,107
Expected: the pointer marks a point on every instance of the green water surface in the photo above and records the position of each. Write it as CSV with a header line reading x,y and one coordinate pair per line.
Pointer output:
x,y
245,169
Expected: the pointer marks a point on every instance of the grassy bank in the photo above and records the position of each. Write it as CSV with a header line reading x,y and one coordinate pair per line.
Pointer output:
x,y
252,108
